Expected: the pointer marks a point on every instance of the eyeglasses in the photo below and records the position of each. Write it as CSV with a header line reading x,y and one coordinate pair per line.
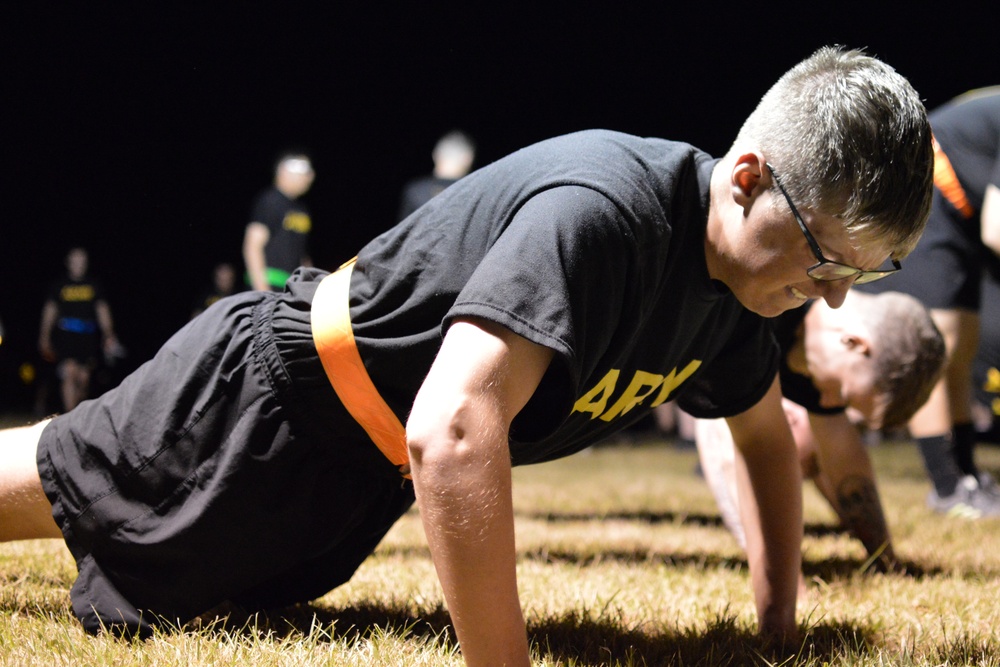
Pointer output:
x,y
826,269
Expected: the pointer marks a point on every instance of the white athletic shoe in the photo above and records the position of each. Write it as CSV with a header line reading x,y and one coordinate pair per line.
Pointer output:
x,y
988,484
969,501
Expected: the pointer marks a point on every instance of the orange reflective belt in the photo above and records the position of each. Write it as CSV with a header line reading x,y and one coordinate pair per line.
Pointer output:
x,y
946,181
338,351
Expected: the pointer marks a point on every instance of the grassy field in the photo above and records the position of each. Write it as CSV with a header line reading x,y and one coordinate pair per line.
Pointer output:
x,y
623,560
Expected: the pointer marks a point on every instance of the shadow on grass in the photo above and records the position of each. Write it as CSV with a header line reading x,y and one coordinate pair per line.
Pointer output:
x,y
829,569
826,569
583,638
837,569
346,625
653,518
724,642
577,637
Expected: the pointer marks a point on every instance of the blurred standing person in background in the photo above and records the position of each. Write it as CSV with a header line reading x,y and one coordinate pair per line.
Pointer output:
x,y
946,272
223,284
453,156
75,319
986,367
276,239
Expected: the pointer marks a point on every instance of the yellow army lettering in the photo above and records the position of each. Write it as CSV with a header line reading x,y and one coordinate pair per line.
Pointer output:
x,y
297,222
77,293
992,385
641,387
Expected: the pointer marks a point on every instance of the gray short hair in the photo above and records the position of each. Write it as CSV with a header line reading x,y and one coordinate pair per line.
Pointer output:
x,y
850,138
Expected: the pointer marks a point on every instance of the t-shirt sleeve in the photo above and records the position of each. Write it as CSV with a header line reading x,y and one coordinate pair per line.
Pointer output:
x,y
265,210
738,377
53,292
99,293
995,172
800,390
557,275
561,261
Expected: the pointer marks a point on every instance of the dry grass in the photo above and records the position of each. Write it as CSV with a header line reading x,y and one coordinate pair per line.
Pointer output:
x,y
623,561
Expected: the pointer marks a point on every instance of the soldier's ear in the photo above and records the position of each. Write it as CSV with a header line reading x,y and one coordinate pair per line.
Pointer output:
x,y
749,178
857,343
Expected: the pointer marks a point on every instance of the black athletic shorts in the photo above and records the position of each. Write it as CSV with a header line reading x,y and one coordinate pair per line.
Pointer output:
x,y
83,348
987,392
945,269
224,469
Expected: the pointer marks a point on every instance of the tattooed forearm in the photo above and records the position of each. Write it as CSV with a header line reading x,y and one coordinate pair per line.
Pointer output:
x,y
861,513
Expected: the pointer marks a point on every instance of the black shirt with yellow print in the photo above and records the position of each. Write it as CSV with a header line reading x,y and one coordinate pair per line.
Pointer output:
x,y
591,244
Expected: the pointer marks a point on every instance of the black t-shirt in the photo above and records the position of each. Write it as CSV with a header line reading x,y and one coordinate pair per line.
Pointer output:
x,y
591,244
419,191
796,387
968,129
76,301
986,367
207,298
288,222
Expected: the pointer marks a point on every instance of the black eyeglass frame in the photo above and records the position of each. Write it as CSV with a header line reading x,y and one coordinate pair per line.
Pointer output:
x,y
835,270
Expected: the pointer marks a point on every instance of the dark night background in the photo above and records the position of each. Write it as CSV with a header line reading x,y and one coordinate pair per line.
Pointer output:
x,y
143,130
